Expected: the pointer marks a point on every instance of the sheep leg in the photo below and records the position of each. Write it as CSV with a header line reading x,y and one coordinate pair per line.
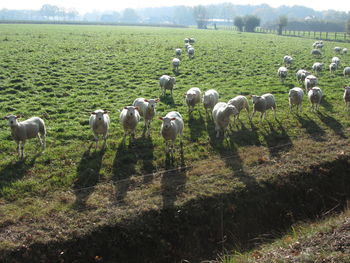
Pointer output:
x,y
19,148
22,149
105,141
274,113
251,117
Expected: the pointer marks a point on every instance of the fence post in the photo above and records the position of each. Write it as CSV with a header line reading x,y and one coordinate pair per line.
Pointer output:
x,y
314,33
335,35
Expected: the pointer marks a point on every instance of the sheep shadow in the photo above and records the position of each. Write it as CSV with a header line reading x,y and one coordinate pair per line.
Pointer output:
x,y
333,124
16,170
243,135
167,99
88,175
196,126
311,127
144,150
326,104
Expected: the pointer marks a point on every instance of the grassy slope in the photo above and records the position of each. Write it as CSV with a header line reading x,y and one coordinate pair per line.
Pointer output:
x,y
63,72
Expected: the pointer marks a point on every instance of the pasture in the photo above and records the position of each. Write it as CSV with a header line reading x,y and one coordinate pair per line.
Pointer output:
x,y
62,73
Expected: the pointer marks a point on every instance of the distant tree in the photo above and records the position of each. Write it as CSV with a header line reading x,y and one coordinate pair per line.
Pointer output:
x,y
201,17
130,16
239,23
282,22
347,26
251,22
72,13
183,15
49,11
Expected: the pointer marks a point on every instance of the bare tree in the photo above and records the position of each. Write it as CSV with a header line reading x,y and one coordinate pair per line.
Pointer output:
x,y
201,16
282,22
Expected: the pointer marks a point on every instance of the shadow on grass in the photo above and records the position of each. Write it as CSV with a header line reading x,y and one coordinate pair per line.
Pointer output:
x,y
333,124
242,135
311,127
167,99
16,170
88,175
327,105
196,126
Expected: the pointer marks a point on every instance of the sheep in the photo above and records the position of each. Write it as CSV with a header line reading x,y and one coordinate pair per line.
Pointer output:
x,y
221,116
282,73
129,118
190,52
317,67
176,64
315,96
186,40
288,60
178,52
240,102
337,50
301,75
315,44
99,124
310,81
210,98
24,130
333,67
336,60
346,97
316,52
167,83
187,45
193,97
147,110
319,46
295,98
346,71
172,126
191,40
262,104
345,51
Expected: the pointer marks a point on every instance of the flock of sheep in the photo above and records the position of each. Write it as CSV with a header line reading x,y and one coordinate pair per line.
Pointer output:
x,y
172,123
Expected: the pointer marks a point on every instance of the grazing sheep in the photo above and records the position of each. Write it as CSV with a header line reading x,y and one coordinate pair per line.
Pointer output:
x,y
99,124
147,110
191,40
129,118
317,67
178,52
240,102
336,60
315,96
190,52
316,43
282,73
346,71
186,40
333,67
221,116
187,45
346,97
295,98
172,126
310,81
262,104
24,130
176,64
345,51
337,50
210,98
167,83
193,97
316,52
288,60
301,75
319,46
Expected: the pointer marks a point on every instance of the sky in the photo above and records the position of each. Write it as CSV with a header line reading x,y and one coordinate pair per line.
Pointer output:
x,y
83,6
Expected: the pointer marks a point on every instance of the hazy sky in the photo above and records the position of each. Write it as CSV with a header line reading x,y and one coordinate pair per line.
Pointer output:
x,y
84,6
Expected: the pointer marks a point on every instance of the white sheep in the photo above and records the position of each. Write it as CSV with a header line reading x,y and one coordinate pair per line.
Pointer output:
x,y
295,98
167,83
262,104
310,81
333,67
210,98
172,126
178,52
288,60
316,52
346,71
221,116
186,40
336,60
282,73
319,46
193,97
147,110
190,52
315,44
191,40
317,67
24,130
129,118
301,75
315,96
99,124
176,64
240,102
337,50
346,97
345,51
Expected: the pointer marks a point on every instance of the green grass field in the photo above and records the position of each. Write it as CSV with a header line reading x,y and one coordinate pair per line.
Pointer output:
x,y
62,73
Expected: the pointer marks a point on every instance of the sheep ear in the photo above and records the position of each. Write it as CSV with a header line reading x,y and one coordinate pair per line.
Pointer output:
x,y
161,118
173,118
158,100
18,116
105,112
6,118
93,113
125,108
146,100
